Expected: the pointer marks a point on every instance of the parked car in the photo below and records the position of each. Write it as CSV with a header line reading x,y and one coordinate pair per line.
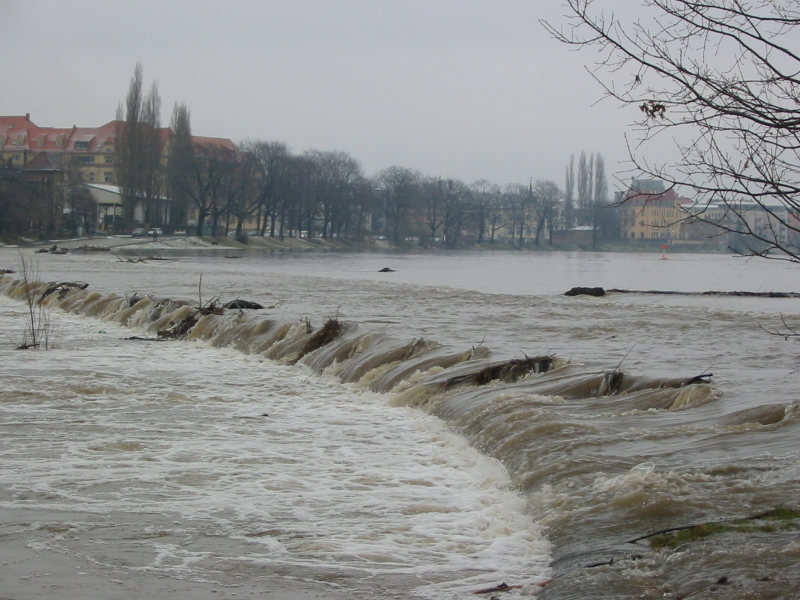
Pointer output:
x,y
138,232
155,232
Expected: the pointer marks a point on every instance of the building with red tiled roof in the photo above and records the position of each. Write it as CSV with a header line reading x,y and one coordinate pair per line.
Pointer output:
x,y
54,156
90,151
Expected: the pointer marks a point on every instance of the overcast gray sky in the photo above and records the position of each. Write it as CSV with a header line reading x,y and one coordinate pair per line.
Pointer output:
x,y
466,89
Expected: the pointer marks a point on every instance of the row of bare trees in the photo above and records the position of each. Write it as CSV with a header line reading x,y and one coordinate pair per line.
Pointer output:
x,y
263,187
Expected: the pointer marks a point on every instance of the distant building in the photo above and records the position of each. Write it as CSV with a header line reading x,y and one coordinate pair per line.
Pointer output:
x,y
89,151
650,212
73,155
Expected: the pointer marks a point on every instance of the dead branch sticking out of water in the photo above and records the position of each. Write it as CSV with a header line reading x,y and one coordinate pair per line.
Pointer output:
x,y
212,307
784,516
137,259
503,587
6,271
127,258
508,371
699,379
329,332
38,332
62,288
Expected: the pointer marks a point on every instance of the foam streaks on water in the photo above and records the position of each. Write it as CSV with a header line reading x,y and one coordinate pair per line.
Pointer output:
x,y
609,452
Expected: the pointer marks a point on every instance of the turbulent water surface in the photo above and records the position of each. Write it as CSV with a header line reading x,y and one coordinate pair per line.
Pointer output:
x,y
374,434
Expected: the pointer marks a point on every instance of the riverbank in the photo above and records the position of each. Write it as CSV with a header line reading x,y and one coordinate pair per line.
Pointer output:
x,y
302,245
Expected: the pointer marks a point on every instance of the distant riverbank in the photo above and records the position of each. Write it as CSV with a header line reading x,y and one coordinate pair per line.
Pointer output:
x,y
318,244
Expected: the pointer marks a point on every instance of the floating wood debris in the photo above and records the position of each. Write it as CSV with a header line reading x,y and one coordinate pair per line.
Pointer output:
x,y
239,303
598,291
508,371
585,291
180,328
52,250
62,288
329,332
503,587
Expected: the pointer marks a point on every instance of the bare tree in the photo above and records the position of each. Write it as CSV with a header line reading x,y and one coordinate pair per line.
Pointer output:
x,y
432,194
138,149
719,79
179,162
239,189
585,189
599,194
519,202
457,200
569,192
337,174
400,188
547,195
272,174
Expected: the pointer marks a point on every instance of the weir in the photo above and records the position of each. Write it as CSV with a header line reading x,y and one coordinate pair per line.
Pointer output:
x,y
571,438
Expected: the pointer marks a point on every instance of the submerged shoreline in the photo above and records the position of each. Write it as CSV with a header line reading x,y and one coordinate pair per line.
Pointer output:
x,y
330,245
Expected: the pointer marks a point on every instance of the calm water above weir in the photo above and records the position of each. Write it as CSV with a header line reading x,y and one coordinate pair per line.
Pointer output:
x,y
394,461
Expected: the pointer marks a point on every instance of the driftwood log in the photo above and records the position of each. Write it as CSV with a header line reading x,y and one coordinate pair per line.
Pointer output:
x,y
508,371
710,293
239,303
585,291
62,288
503,587
598,291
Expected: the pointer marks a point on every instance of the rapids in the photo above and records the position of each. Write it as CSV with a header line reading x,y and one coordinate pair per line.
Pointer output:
x,y
419,452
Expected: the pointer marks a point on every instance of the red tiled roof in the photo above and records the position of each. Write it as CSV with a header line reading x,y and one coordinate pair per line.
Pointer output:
x,y
14,132
210,143
20,133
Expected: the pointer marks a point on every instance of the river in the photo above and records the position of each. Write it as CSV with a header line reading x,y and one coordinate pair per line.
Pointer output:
x,y
468,425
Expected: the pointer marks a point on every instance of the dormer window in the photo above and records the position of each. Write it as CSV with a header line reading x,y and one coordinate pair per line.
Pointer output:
x,y
82,146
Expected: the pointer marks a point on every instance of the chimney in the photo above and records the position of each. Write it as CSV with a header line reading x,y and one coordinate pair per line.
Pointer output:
x,y
27,116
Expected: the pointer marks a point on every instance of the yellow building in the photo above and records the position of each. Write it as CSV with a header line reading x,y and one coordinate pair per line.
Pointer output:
x,y
649,212
87,151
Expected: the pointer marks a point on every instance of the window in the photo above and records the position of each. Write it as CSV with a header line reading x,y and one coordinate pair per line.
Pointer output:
x,y
107,177
81,146
84,160
109,160
91,176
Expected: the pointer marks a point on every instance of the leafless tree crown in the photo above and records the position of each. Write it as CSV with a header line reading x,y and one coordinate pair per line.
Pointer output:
x,y
718,79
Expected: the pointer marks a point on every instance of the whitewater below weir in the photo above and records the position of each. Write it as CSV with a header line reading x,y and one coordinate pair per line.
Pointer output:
x,y
215,467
